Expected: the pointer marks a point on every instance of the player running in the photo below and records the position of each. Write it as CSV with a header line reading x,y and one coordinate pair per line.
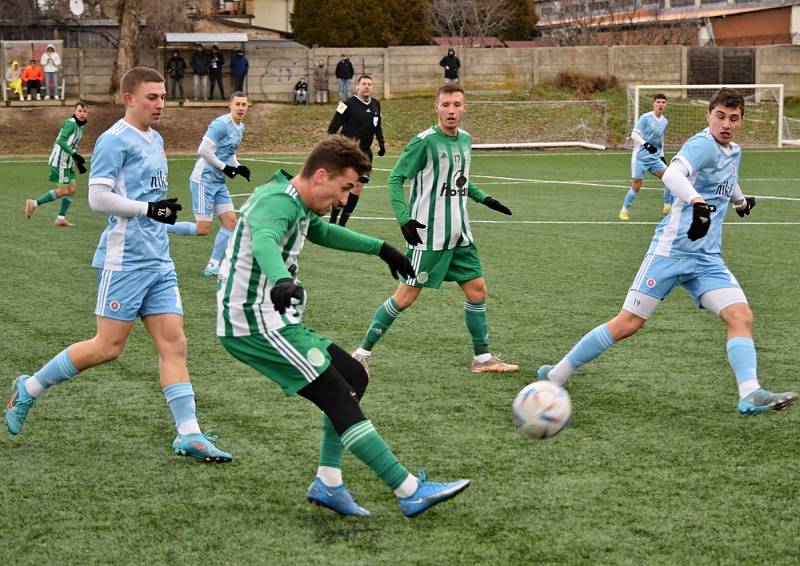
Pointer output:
x,y
136,276
64,154
260,303
685,250
648,154
435,224
210,195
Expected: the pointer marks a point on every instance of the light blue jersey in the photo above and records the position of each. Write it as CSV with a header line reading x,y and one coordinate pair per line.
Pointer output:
x,y
226,138
134,165
714,171
651,129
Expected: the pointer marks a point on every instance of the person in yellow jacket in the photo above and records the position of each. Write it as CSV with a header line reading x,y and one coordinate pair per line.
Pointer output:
x,y
13,78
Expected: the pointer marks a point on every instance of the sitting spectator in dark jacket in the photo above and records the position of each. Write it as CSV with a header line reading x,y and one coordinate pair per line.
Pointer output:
x,y
300,95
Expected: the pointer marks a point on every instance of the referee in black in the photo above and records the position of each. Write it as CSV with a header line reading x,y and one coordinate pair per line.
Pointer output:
x,y
358,117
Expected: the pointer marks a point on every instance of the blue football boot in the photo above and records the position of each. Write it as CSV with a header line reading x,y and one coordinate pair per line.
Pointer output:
x,y
428,494
201,447
541,373
212,269
761,401
18,405
336,498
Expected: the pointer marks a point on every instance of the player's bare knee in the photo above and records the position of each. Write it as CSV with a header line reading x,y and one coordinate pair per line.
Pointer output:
x,y
72,189
737,316
111,350
405,297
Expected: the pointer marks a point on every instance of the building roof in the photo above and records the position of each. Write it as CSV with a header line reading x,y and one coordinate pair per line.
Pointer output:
x,y
172,37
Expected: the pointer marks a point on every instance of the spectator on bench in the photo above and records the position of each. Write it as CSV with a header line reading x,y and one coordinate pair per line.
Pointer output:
x,y
300,95
13,79
32,76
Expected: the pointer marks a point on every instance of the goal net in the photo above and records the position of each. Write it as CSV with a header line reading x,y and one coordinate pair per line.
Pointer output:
x,y
537,123
687,106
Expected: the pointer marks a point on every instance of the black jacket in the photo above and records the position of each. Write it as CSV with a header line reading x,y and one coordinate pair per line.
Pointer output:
x,y
200,61
176,67
344,69
215,62
454,65
301,85
358,121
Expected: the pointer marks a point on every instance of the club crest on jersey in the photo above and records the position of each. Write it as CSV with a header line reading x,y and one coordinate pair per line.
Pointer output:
x,y
651,282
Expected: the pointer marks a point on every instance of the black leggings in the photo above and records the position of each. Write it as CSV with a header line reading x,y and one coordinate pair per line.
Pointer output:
x,y
338,389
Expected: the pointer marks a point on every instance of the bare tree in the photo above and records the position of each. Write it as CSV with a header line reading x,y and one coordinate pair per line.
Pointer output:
x,y
129,13
471,20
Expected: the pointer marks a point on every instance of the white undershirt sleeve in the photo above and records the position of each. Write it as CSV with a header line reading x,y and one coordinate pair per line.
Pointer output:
x,y
676,179
637,137
103,200
206,151
737,195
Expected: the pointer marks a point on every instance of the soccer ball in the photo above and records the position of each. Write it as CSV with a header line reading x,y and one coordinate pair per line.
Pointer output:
x,y
541,409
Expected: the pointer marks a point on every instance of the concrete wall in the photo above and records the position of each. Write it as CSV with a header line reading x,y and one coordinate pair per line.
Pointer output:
x,y
410,71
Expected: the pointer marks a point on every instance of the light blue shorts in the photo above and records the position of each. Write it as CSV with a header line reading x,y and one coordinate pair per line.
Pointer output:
x,y
128,295
209,200
641,165
659,275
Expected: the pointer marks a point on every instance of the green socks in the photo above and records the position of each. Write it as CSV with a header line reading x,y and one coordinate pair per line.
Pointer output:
x,y
331,448
475,317
381,321
49,196
367,445
66,202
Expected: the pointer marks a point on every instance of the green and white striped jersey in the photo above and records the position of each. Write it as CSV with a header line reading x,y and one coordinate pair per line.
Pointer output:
x,y
439,167
264,248
66,144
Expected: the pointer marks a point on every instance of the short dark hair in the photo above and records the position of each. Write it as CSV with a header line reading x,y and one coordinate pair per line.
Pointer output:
x,y
727,97
659,96
137,76
449,88
364,77
238,93
82,104
335,154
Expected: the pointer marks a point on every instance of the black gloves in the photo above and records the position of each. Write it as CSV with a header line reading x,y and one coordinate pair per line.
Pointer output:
x,y
79,162
410,233
381,149
397,261
230,171
283,292
497,205
650,147
664,161
745,209
244,171
701,220
165,211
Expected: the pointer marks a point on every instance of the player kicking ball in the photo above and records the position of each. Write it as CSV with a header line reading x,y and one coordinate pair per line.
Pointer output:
x,y
685,250
260,303
135,274
210,195
64,154
648,154
435,224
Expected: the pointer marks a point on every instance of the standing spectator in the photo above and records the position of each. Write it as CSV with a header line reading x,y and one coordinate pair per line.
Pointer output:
x,y
201,64
344,72
239,68
176,69
13,79
51,61
321,82
451,66
32,76
300,94
216,63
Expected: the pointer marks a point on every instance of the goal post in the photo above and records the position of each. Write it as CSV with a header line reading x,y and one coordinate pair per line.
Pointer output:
x,y
512,124
763,124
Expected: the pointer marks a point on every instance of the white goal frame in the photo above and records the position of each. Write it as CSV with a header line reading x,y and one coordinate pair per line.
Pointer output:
x,y
544,144
684,87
